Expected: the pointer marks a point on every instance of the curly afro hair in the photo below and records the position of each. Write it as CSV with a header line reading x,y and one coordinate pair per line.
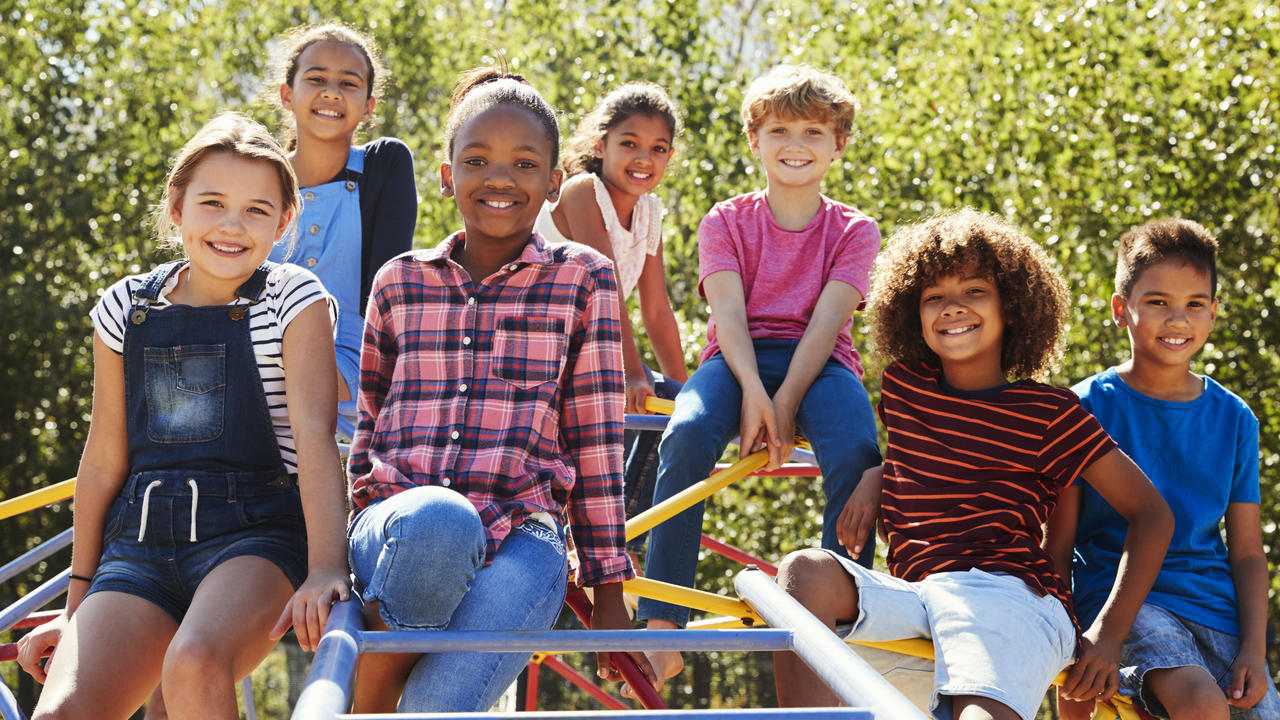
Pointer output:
x,y
1032,294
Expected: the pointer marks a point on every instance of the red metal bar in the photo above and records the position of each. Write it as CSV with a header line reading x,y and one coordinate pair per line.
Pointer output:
x,y
531,687
575,677
36,618
737,555
577,600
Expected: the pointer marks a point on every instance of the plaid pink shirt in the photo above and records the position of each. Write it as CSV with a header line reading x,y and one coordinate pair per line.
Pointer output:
x,y
510,392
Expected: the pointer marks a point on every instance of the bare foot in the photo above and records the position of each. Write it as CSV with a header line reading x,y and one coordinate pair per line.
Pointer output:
x,y
666,663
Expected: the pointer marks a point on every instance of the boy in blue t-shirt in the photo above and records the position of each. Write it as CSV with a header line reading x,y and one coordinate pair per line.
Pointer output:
x,y
1196,649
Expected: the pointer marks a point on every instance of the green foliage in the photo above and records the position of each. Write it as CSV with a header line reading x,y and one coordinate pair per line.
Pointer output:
x,y
1077,120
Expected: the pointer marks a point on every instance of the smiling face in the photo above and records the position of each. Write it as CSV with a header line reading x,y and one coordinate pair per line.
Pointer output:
x,y
329,95
962,320
230,214
502,170
634,154
1169,314
796,152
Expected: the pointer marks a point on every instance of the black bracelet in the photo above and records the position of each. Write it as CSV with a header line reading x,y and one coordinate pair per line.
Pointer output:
x,y
81,577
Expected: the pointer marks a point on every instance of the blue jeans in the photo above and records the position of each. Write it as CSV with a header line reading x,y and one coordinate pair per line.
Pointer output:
x,y
640,468
420,554
835,416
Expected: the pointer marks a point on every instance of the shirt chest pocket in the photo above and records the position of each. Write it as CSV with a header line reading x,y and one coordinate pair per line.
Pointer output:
x,y
185,392
529,351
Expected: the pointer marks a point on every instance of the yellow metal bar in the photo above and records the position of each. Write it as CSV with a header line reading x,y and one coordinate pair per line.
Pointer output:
x,y
688,597
717,623
692,495
38,498
659,406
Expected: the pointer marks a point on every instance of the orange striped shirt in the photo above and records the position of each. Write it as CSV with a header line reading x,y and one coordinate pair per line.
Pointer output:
x,y
971,477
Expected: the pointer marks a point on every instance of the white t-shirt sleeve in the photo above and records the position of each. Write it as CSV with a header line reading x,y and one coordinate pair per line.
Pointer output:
x,y
111,312
291,289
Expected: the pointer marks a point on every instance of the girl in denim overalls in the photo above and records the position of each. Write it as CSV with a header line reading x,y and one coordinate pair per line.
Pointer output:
x,y
359,202
191,555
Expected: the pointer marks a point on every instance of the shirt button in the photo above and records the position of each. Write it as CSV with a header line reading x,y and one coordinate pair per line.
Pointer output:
x,y
313,229
446,481
512,267
455,434
471,300
351,185
311,262
466,340
462,388
309,196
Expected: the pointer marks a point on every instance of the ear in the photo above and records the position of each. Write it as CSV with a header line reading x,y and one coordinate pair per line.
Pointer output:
x,y
841,144
286,218
286,96
1119,310
1213,314
753,142
369,105
553,190
175,208
446,179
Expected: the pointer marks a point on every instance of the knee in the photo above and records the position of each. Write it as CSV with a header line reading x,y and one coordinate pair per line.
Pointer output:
x,y
436,520
808,576
1200,703
194,662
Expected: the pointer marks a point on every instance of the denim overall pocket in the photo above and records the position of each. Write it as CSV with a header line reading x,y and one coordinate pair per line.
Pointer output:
x,y
529,351
186,388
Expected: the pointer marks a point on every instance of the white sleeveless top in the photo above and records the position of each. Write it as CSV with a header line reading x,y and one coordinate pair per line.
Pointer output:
x,y
629,246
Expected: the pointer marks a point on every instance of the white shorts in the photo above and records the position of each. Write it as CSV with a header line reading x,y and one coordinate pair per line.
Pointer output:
x,y
992,635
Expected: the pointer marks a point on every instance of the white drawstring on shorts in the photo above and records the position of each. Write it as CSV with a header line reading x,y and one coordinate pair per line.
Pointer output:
x,y
195,501
146,506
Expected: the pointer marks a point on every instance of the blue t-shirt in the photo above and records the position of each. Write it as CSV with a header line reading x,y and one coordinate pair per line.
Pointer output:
x,y
1201,455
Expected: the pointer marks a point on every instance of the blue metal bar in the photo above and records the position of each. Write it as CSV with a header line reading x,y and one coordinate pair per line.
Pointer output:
x,y
9,709
406,641
328,689
787,713
35,555
34,600
855,682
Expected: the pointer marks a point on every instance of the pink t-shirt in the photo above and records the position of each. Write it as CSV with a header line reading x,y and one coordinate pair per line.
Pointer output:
x,y
783,271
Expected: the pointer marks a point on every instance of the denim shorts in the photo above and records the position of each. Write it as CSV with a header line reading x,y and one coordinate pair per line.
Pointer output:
x,y
1159,640
148,550
993,637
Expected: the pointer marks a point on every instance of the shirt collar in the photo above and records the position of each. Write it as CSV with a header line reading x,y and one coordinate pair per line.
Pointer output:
x,y
535,251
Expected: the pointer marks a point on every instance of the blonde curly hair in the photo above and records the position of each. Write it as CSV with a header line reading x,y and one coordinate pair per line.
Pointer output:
x,y
1032,294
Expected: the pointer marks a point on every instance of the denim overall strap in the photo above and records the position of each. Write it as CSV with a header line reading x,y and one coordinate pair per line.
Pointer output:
x,y
329,244
193,395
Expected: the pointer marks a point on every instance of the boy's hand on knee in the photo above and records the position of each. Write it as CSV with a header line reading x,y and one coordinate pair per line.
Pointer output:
x,y
1074,709
1248,681
1095,675
308,610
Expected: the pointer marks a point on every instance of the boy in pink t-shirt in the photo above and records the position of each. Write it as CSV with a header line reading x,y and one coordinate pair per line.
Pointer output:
x,y
783,270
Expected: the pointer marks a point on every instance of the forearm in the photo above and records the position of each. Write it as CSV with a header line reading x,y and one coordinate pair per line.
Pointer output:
x,y
632,365
835,306
664,336
1143,554
93,497
324,503
1251,579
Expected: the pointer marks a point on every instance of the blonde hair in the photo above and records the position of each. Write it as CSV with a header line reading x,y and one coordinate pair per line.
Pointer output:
x,y
237,135
799,91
